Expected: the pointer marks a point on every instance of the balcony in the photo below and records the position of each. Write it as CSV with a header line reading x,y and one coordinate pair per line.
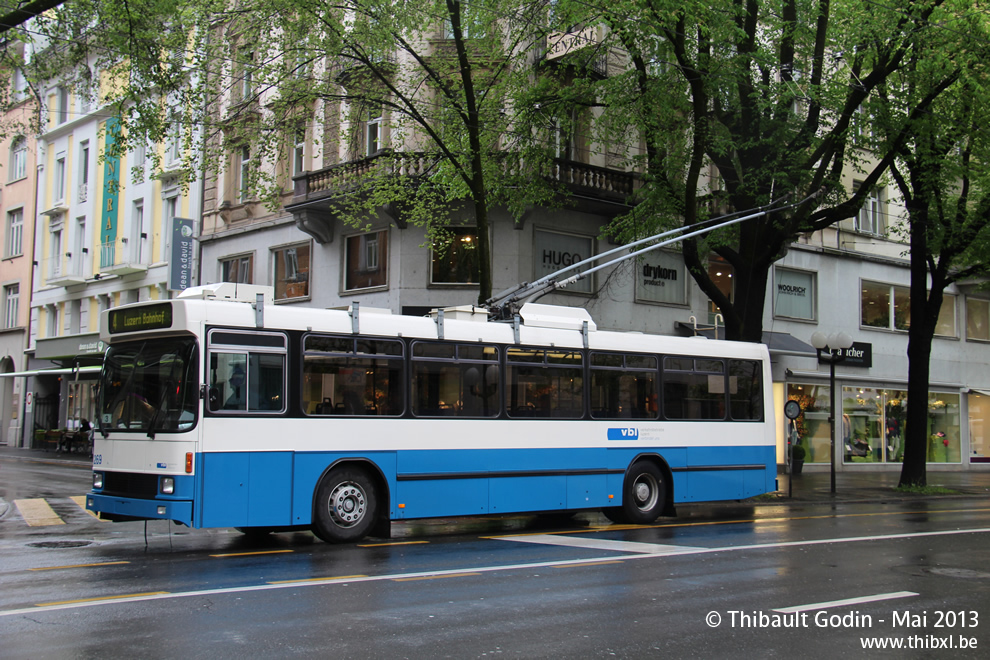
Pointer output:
x,y
317,195
122,257
65,271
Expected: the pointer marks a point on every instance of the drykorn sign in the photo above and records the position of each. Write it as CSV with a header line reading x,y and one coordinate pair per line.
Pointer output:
x,y
660,277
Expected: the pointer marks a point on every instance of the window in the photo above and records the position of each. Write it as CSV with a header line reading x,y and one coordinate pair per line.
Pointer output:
x,y
173,151
885,306
454,380
83,171
237,269
244,174
54,319
869,220
373,128
290,272
247,371
139,234
946,325
61,104
794,294
11,302
977,319
299,151
544,383
623,386
352,376
366,261
58,183
720,271
247,75
455,257
15,233
55,249
18,158
553,251
745,390
693,388
139,156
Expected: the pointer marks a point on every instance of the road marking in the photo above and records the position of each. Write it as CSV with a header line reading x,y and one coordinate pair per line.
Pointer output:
x,y
601,544
597,563
385,545
322,581
81,501
37,513
90,601
251,554
435,577
58,568
847,601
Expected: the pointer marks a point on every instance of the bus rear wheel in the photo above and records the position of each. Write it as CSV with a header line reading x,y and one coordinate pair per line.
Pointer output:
x,y
346,505
644,495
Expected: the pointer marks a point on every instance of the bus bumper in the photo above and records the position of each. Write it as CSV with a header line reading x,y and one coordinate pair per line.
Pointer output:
x,y
128,508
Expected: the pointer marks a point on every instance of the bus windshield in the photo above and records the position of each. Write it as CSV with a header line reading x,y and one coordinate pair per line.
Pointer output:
x,y
150,386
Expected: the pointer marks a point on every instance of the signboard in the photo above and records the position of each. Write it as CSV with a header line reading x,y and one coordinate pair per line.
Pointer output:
x,y
111,192
553,251
660,277
795,294
180,265
135,319
860,354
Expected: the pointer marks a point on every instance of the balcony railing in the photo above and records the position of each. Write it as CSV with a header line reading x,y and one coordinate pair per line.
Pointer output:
x,y
616,185
122,256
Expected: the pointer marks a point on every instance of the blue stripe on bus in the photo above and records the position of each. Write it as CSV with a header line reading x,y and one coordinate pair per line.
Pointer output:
x,y
277,488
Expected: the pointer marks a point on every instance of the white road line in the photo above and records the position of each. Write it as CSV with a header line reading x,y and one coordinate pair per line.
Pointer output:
x,y
321,581
601,544
847,601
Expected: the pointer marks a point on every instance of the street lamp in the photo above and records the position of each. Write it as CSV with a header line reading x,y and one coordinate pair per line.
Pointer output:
x,y
835,344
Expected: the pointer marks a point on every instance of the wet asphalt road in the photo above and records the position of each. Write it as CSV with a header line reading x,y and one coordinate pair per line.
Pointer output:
x,y
523,586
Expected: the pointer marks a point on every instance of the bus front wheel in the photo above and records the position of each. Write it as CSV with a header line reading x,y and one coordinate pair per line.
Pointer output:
x,y
644,495
346,505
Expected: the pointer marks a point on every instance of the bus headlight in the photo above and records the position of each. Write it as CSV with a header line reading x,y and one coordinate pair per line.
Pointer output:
x,y
97,480
168,485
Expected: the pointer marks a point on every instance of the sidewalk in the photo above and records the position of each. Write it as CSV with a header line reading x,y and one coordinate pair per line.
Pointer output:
x,y
809,487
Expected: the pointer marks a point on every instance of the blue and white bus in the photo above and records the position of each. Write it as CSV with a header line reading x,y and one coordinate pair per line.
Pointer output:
x,y
221,409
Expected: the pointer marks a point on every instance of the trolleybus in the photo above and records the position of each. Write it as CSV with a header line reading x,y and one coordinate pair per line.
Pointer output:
x,y
220,409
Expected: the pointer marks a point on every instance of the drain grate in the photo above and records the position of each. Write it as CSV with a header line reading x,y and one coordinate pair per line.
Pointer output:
x,y
56,545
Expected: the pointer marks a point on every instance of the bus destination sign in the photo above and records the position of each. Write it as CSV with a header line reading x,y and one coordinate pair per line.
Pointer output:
x,y
152,317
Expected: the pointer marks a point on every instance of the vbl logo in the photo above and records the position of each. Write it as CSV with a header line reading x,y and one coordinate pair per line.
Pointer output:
x,y
623,434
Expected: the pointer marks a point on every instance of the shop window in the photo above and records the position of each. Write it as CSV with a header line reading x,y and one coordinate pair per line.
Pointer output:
x,y
795,294
366,261
455,257
811,429
946,326
290,267
977,319
979,427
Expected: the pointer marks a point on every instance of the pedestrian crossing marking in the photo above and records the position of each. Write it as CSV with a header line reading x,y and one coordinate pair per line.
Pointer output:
x,y
601,544
37,513
81,501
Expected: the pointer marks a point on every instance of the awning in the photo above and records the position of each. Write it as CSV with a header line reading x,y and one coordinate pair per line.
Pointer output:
x,y
973,390
779,343
57,371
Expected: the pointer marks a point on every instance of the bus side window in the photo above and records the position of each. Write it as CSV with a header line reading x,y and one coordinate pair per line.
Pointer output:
x,y
228,381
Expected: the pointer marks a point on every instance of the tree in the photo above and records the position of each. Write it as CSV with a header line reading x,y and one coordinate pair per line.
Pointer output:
x,y
444,73
739,103
943,174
